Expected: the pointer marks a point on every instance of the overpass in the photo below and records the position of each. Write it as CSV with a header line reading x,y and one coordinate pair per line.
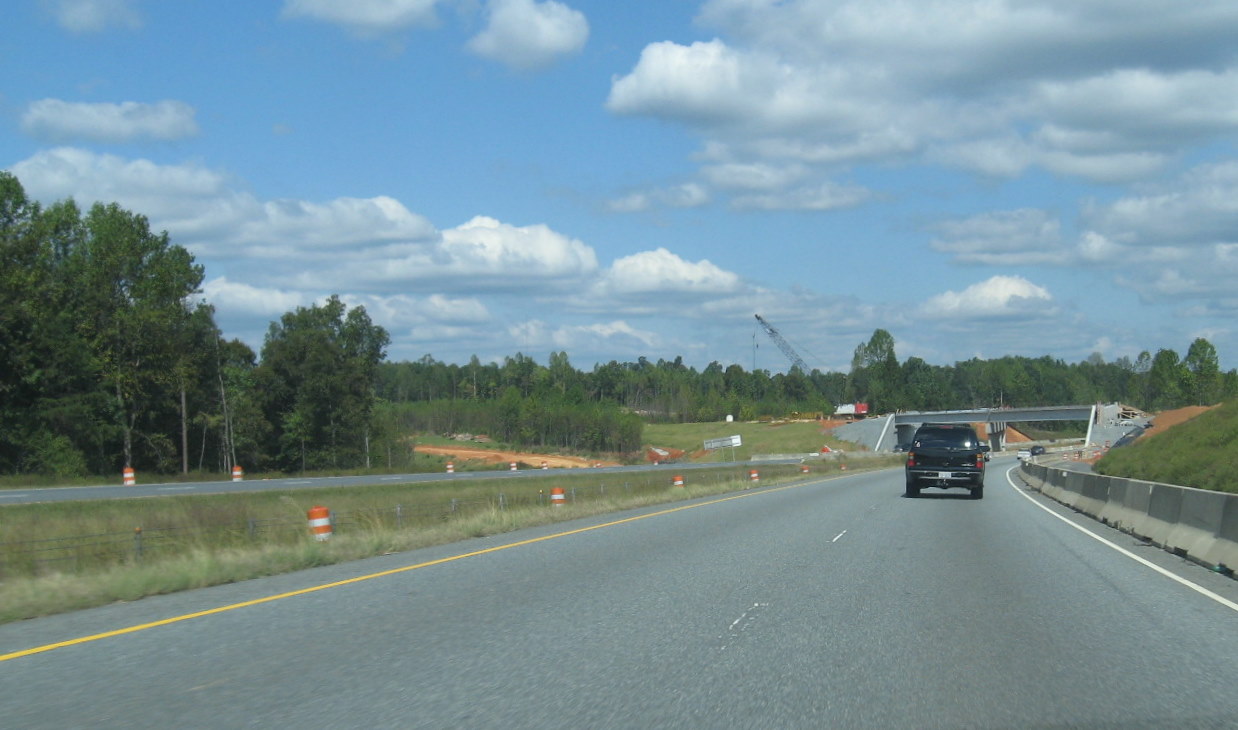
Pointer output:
x,y
1107,424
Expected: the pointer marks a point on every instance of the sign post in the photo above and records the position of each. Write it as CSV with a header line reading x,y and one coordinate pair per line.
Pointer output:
x,y
722,443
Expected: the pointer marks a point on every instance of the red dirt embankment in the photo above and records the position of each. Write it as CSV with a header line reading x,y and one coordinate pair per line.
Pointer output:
x,y
1166,420
495,456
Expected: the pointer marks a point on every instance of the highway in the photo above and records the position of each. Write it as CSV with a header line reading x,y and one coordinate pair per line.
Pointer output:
x,y
827,603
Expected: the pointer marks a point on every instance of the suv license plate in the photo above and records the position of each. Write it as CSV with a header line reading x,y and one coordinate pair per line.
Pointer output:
x,y
944,474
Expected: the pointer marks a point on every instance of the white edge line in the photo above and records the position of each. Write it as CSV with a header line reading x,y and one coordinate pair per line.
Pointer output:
x,y
844,532
1168,574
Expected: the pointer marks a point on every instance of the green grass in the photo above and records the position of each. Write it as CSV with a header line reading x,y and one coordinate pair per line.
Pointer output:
x,y
1201,453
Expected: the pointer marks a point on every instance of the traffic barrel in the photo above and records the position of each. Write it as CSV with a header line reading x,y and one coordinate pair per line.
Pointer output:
x,y
677,480
451,468
557,497
238,474
803,468
545,465
754,476
130,477
512,466
320,522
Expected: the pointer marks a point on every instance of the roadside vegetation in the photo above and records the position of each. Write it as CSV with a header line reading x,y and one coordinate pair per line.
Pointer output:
x,y
1201,453
775,437
66,556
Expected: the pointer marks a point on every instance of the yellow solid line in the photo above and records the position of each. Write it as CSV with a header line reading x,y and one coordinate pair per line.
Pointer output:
x,y
358,579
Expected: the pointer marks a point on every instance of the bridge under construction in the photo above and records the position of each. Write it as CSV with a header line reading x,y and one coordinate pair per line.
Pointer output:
x,y
1107,424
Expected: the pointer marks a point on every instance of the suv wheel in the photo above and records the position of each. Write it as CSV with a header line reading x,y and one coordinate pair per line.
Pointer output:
x,y
913,488
977,492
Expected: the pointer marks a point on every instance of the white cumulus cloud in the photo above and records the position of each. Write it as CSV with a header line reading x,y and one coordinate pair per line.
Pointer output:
x,y
663,272
485,246
525,34
997,297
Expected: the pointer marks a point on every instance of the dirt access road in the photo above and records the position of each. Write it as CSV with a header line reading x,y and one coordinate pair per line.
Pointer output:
x,y
495,456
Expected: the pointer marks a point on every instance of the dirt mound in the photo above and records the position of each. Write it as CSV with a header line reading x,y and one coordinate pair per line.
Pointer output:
x,y
1015,436
1166,420
658,455
495,456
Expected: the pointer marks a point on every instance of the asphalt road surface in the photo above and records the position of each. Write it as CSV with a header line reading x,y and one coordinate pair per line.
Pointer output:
x,y
830,603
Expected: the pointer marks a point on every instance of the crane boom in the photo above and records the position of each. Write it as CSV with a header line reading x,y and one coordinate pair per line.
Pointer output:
x,y
783,345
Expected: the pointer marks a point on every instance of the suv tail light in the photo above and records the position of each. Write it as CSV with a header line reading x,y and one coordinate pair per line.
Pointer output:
x,y
911,458
980,461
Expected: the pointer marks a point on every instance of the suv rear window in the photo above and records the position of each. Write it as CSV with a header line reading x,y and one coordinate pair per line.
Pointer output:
x,y
945,437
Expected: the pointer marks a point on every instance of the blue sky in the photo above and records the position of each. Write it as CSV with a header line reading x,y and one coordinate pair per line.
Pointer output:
x,y
617,180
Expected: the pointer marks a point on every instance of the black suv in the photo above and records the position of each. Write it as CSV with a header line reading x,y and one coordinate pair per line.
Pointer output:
x,y
945,455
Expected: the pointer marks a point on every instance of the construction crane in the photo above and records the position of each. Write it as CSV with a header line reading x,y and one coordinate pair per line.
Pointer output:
x,y
783,345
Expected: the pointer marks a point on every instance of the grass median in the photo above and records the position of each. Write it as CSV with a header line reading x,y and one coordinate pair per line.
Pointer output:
x,y
66,556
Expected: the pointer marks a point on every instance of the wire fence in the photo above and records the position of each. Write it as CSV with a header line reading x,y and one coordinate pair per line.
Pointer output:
x,y
78,554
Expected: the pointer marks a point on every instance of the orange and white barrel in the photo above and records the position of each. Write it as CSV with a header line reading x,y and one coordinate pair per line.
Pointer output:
x,y
545,465
238,474
511,466
803,468
677,480
320,522
130,476
451,468
754,476
557,497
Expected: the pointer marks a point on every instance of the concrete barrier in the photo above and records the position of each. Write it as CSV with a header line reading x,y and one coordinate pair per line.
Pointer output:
x,y
1226,551
1138,502
1164,506
1116,510
1093,494
1197,523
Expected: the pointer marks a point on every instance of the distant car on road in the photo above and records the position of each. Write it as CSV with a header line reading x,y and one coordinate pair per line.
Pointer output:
x,y
1037,450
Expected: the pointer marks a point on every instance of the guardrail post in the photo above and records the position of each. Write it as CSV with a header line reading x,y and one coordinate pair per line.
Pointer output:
x,y
502,501
453,504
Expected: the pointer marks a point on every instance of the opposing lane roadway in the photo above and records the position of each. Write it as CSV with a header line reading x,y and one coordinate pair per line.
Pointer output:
x,y
117,491
834,603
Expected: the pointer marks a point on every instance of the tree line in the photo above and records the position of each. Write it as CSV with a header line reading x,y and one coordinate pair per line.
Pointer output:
x,y
670,391
110,358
